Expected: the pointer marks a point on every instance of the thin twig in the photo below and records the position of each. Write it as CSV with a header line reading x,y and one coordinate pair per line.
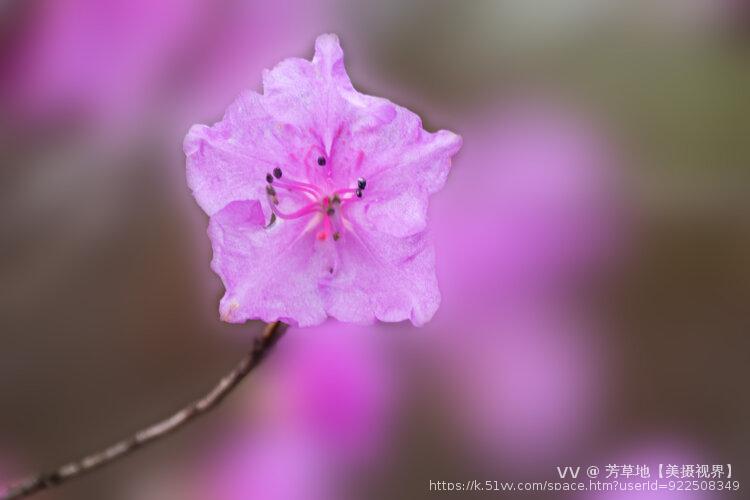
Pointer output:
x,y
42,481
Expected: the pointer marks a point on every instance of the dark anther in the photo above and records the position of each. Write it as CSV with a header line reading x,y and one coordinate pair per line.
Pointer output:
x,y
269,178
361,183
336,236
271,222
277,172
336,200
321,161
270,190
330,211
358,192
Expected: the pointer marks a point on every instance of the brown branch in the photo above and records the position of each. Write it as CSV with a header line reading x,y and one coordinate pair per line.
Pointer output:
x,y
262,345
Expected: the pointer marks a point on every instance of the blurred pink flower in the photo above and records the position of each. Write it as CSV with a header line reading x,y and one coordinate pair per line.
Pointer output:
x,y
132,63
322,416
652,452
525,383
531,209
235,43
265,466
341,229
334,384
95,57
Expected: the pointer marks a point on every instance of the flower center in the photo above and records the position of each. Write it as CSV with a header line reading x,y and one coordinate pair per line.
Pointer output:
x,y
328,206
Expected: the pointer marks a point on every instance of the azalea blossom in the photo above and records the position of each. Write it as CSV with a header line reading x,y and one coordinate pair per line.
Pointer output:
x,y
317,196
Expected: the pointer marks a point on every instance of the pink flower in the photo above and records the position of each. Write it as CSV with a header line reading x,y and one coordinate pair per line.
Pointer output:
x,y
334,385
647,454
527,375
318,198
545,190
528,386
319,418
95,58
271,467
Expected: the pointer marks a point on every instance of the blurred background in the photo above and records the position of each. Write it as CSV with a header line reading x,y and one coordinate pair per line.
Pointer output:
x,y
593,243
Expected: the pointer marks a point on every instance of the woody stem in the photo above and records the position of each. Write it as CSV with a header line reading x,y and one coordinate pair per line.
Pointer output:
x,y
179,419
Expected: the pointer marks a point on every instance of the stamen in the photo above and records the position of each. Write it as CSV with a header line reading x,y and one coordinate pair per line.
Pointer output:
x,y
273,219
337,222
302,185
307,209
331,205
295,187
344,191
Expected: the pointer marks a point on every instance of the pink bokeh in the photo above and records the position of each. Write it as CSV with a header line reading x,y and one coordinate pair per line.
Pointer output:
x,y
113,63
526,221
663,448
271,466
336,384
532,204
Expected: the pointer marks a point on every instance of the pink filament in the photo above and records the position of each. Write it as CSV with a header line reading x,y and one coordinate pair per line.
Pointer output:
x,y
322,235
307,209
332,222
289,183
345,191
296,187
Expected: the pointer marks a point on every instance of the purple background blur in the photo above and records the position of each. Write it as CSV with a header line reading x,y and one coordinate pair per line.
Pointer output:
x,y
592,248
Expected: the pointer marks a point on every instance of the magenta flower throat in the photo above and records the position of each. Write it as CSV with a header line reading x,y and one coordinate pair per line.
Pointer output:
x,y
330,207
317,197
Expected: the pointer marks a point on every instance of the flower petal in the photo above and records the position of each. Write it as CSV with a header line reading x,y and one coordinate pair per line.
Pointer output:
x,y
383,277
229,160
399,155
401,214
269,273
403,165
309,93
